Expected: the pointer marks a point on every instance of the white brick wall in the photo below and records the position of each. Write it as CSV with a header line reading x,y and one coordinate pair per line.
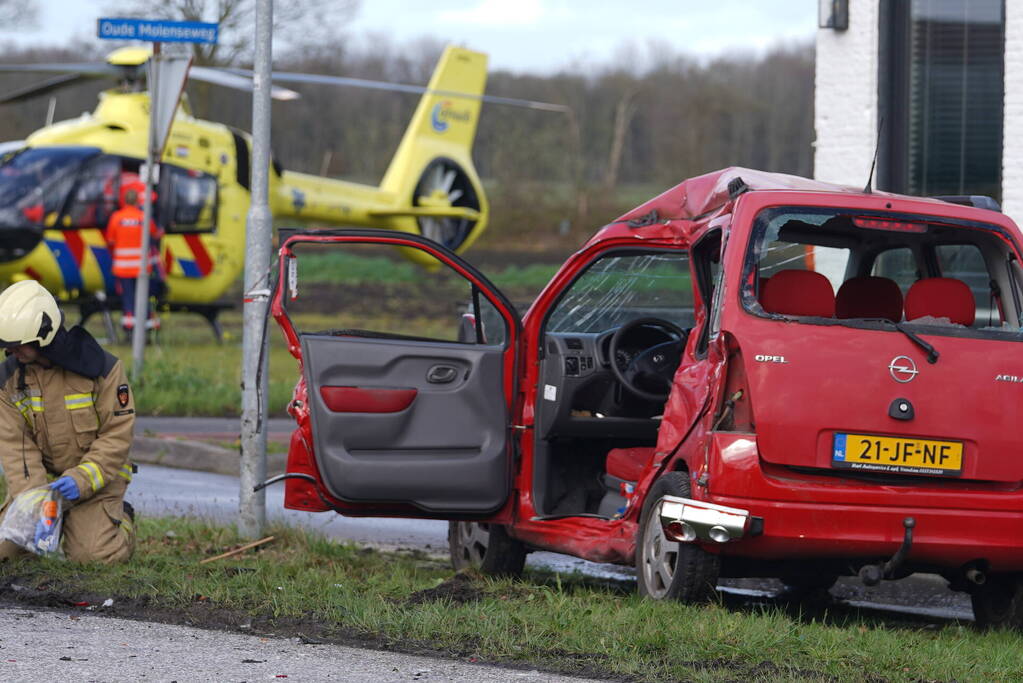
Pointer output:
x,y
846,101
845,97
1012,145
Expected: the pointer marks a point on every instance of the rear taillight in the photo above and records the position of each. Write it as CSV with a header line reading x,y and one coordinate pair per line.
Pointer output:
x,y
301,494
735,411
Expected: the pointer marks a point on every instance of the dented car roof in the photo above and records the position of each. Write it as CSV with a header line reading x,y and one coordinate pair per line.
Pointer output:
x,y
677,213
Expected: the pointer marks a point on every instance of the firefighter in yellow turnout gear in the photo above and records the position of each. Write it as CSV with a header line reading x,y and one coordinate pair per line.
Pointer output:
x,y
66,420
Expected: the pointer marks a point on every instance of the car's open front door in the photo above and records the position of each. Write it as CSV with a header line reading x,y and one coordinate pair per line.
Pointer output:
x,y
409,374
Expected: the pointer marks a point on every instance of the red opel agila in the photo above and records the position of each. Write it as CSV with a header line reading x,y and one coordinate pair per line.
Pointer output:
x,y
751,374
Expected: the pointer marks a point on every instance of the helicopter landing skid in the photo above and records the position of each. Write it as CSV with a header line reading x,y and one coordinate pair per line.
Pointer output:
x,y
209,311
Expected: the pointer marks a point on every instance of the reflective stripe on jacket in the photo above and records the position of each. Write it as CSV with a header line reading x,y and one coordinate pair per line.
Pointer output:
x,y
124,235
61,423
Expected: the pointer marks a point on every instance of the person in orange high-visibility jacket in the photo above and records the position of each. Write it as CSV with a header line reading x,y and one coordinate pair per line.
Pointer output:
x,y
66,420
124,235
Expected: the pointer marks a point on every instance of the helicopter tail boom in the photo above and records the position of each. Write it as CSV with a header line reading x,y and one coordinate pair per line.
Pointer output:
x,y
430,187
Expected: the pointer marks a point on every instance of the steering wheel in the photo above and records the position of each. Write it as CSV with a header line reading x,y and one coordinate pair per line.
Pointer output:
x,y
656,364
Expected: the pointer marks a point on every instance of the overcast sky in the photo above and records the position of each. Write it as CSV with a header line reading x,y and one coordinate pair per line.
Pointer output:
x,y
530,35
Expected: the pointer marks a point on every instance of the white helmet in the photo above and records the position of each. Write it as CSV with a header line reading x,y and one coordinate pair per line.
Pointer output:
x,y
28,313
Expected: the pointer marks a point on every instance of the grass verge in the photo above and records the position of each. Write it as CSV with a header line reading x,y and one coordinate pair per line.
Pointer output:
x,y
326,591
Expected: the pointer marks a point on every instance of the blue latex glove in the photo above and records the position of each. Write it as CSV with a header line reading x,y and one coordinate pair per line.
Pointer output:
x,y
66,487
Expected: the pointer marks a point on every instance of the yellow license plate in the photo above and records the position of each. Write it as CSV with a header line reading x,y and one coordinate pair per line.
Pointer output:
x,y
899,455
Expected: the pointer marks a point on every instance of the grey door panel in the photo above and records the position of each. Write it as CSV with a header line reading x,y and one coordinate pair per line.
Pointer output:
x,y
444,453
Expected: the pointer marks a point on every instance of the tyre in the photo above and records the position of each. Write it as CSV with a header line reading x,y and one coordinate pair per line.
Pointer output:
x,y
485,547
998,602
667,569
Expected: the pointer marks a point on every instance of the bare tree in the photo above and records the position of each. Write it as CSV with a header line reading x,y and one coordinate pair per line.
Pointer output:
x,y
624,111
309,22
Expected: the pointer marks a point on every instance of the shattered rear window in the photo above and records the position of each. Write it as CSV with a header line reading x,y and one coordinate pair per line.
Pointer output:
x,y
951,277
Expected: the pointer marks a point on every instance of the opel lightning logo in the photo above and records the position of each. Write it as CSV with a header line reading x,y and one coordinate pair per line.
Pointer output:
x,y
903,369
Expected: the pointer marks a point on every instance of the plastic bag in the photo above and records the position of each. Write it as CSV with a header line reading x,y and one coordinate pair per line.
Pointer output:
x,y
33,521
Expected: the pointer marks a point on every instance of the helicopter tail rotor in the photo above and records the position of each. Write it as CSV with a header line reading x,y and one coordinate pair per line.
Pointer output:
x,y
445,184
433,164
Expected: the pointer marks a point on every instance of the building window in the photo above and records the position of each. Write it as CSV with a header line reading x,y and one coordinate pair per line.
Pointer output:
x,y
941,96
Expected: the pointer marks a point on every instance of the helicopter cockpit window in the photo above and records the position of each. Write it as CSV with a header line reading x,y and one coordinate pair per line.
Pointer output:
x,y
34,183
188,200
95,196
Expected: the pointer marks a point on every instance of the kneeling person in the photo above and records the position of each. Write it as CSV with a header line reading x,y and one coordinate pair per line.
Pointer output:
x,y
66,417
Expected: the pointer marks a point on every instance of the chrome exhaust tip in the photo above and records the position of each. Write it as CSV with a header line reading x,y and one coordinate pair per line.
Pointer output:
x,y
686,520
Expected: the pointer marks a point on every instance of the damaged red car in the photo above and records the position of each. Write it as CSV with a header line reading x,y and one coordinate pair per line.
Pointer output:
x,y
750,375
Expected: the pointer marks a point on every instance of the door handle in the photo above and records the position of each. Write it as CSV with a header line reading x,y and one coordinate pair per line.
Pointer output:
x,y
441,374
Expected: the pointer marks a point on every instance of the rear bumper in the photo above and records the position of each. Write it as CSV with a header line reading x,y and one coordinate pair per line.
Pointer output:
x,y
825,517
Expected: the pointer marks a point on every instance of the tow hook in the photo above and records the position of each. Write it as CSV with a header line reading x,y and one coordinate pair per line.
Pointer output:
x,y
872,574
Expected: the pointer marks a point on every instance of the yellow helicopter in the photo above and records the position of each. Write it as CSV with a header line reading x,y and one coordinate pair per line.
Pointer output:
x,y
59,187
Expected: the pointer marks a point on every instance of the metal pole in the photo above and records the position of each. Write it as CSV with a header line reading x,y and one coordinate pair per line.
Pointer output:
x,y
138,339
258,237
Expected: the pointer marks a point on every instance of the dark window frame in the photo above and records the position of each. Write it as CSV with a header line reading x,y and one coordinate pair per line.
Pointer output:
x,y
894,75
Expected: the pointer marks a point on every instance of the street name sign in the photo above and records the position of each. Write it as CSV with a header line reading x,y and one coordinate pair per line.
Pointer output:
x,y
157,31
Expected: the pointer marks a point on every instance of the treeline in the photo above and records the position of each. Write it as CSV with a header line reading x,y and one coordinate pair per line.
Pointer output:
x,y
636,130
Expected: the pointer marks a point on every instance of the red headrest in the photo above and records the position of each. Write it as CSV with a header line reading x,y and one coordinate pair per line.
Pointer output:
x,y
941,297
798,292
869,297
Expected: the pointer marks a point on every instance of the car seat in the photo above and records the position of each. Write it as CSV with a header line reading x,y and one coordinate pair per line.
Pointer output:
x,y
623,468
799,292
941,297
869,297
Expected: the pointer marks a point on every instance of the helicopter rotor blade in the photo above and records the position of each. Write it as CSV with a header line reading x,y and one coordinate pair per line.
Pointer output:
x,y
230,79
83,68
241,79
322,79
37,89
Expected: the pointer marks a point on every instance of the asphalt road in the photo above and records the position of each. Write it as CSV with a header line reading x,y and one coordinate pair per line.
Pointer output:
x,y
52,645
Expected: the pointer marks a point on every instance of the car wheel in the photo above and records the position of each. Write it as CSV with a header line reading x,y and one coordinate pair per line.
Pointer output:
x,y
485,547
998,602
668,569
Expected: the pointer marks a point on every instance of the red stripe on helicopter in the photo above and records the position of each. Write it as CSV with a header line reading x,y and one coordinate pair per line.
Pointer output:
x,y
33,273
202,257
76,245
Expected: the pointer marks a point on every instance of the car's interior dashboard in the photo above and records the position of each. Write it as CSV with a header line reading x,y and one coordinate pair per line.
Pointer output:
x,y
579,395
